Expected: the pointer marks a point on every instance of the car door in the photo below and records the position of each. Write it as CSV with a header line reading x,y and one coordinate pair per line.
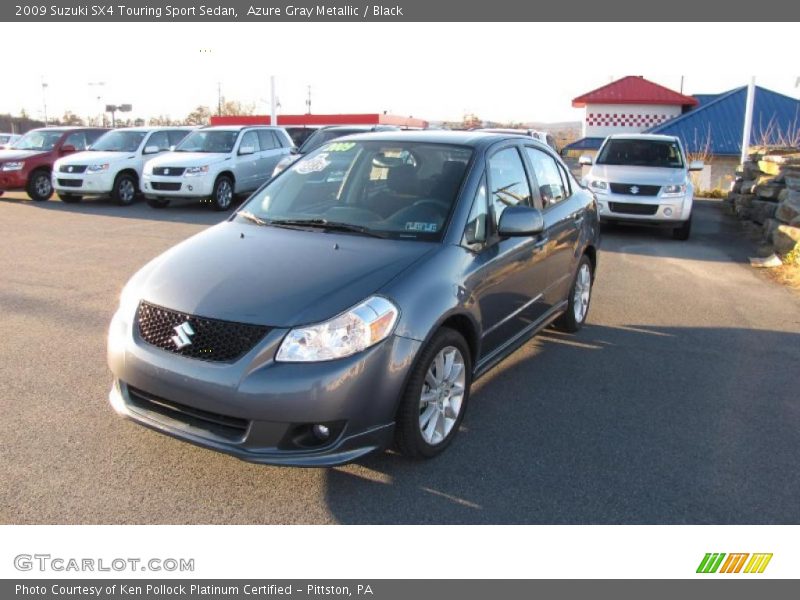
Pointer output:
x,y
271,153
563,214
507,275
247,165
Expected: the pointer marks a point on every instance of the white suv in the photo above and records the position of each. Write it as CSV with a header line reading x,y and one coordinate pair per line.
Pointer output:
x,y
643,179
113,164
215,163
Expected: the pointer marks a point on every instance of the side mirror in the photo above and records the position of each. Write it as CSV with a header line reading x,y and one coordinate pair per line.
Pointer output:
x,y
294,150
68,148
246,150
172,148
520,221
696,165
152,150
585,160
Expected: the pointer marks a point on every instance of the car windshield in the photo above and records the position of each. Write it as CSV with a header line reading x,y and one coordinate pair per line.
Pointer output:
x,y
208,141
641,153
4,139
38,140
323,136
119,141
403,190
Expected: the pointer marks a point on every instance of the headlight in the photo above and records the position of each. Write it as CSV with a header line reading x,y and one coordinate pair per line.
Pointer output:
x,y
97,168
674,190
195,171
14,166
353,331
598,185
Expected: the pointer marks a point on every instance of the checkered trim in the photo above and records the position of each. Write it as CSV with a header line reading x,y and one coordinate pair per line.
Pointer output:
x,y
625,120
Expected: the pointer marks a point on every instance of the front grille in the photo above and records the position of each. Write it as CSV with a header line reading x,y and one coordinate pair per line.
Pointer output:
x,y
213,340
640,190
70,182
169,171
166,187
230,428
72,168
633,209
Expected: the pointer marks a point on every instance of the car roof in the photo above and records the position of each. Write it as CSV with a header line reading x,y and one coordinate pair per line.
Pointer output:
x,y
643,136
66,129
462,138
238,127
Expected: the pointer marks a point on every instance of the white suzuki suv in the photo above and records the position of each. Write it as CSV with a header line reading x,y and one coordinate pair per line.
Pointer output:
x,y
113,164
213,164
643,179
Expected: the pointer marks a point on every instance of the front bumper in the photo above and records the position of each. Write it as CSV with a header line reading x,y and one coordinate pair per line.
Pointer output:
x,y
84,184
155,186
670,211
260,410
13,180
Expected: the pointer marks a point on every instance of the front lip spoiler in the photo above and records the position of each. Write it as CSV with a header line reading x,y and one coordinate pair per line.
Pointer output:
x,y
346,450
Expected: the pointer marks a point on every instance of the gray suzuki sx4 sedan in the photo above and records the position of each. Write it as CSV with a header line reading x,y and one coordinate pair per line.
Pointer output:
x,y
348,305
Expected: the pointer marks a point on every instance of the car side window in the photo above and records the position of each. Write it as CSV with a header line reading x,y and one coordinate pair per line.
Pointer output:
x,y
250,140
93,136
159,139
175,137
77,139
267,139
548,177
476,230
509,182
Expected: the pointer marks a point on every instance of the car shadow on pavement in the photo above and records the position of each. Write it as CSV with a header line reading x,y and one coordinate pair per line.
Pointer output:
x,y
615,425
715,237
182,211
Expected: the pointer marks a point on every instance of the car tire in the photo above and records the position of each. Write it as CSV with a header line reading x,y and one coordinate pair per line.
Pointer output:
x,y
39,186
580,296
124,190
222,194
683,232
434,400
70,198
157,202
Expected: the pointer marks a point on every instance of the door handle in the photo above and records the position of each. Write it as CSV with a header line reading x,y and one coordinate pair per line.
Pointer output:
x,y
541,241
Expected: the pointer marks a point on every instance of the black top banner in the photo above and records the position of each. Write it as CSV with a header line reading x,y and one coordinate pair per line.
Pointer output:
x,y
405,10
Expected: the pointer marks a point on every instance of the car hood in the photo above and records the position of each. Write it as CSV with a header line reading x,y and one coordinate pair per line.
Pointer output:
x,y
187,159
6,155
90,158
273,276
640,175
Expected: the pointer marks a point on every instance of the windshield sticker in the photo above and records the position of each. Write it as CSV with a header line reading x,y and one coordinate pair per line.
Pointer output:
x,y
339,146
313,165
421,227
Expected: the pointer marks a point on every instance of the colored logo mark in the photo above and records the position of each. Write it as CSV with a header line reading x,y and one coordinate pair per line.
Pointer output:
x,y
717,562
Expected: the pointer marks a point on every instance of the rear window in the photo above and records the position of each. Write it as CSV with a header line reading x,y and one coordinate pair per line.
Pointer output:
x,y
641,153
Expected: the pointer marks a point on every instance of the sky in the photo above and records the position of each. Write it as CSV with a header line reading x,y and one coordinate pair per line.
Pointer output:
x,y
435,71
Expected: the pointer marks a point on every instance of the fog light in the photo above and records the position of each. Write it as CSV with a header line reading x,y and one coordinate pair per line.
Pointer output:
x,y
321,432
668,212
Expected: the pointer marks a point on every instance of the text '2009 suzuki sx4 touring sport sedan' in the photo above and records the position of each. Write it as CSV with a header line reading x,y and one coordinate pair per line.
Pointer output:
x,y
352,300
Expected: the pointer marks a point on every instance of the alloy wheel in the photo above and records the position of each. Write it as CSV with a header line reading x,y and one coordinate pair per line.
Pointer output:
x,y
583,291
442,395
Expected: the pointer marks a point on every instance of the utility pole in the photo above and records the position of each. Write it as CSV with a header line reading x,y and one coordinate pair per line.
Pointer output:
x,y
308,101
681,84
219,98
748,118
99,85
44,100
273,105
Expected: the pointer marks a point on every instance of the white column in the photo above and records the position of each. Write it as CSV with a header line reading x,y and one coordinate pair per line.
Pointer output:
x,y
748,118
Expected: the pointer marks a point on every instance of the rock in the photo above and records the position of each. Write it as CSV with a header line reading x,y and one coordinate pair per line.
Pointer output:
x,y
761,210
769,167
768,191
770,225
736,188
750,170
791,157
786,239
789,209
783,194
792,179
748,185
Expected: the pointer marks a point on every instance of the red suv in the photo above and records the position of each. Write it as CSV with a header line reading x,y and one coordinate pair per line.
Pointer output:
x,y
27,164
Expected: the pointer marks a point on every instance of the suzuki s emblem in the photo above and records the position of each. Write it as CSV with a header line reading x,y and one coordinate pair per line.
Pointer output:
x,y
166,171
69,169
634,189
184,333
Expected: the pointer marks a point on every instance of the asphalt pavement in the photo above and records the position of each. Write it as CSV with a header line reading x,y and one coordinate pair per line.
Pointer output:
x,y
677,403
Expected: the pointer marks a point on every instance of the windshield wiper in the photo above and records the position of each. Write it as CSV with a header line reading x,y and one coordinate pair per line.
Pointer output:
x,y
327,225
251,217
